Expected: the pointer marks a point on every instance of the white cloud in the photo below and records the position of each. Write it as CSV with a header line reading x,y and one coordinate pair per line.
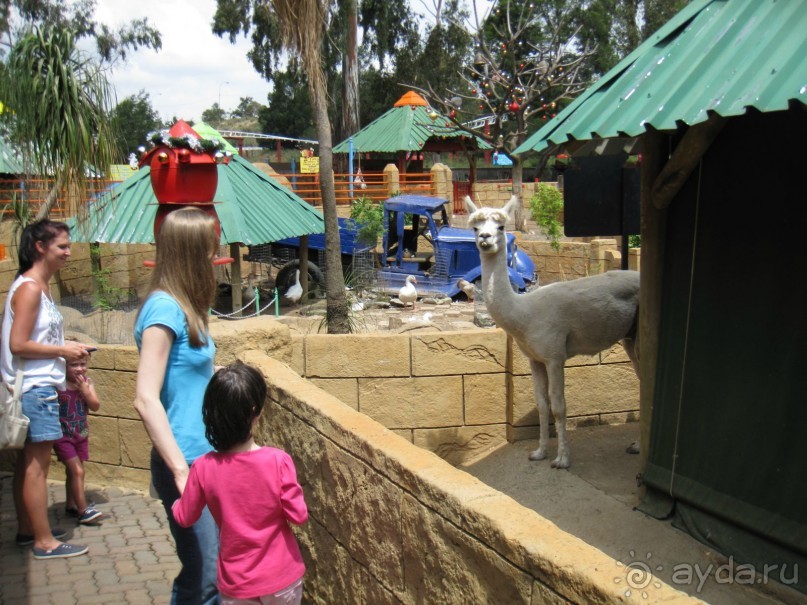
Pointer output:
x,y
193,67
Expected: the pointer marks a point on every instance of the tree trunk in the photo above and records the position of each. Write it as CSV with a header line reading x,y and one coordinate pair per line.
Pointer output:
x,y
50,201
519,216
350,72
336,299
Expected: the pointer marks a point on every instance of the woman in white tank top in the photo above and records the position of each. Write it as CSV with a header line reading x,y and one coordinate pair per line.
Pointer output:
x,y
33,340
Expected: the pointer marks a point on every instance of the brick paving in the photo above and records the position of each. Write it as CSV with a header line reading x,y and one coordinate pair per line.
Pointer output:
x,y
131,560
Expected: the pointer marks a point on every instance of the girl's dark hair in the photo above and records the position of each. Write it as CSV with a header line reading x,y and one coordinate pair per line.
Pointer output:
x,y
45,231
233,399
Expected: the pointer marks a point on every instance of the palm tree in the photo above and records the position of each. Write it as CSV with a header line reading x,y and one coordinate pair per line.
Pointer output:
x,y
58,102
302,23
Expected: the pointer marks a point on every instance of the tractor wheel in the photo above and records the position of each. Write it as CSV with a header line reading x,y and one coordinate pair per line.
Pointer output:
x,y
287,274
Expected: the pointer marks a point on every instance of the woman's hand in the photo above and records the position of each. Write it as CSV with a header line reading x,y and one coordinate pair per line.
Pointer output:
x,y
74,351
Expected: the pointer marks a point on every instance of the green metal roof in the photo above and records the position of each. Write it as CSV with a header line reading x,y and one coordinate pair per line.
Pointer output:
x,y
405,128
715,56
252,208
206,131
10,162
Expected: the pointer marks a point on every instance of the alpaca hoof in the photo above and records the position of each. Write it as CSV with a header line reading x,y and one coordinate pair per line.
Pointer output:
x,y
561,462
539,454
633,448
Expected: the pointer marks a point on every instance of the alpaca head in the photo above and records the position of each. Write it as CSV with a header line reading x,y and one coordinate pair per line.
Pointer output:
x,y
488,225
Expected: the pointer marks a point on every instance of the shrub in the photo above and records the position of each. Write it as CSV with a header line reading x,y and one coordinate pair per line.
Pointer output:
x,y
369,219
545,207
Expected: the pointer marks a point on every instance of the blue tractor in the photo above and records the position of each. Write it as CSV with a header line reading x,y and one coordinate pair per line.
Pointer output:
x,y
418,240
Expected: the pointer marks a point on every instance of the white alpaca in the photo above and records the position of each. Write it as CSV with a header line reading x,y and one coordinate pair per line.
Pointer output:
x,y
553,322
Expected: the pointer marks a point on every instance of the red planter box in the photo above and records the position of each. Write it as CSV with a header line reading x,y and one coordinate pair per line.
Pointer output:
x,y
183,182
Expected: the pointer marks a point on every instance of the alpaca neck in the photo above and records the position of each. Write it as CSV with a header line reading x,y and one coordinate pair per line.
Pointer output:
x,y
502,302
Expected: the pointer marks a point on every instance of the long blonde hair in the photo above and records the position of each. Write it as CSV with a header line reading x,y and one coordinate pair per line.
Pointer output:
x,y
186,244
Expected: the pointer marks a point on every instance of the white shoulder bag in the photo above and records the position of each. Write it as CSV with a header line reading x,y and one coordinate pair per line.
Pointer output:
x,y
13,423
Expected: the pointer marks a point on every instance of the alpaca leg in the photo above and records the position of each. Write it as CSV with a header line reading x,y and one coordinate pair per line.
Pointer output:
x,y
632,349
539,385
557,398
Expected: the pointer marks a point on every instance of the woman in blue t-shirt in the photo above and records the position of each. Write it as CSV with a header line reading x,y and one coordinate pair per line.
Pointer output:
x,y
176,363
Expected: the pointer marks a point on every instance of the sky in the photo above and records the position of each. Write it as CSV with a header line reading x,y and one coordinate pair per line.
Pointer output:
x,y
195,68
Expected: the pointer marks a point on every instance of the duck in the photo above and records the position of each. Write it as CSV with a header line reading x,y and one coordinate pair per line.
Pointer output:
x,y
295,291
468,288
408,294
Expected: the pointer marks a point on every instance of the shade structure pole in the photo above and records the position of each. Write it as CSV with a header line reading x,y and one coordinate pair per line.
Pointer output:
x,y
350,164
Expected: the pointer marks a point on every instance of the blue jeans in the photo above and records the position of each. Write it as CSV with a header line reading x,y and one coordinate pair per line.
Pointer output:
x,y
197,546
41,405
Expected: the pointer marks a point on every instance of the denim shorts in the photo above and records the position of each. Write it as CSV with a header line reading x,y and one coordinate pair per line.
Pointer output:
x,y
41,405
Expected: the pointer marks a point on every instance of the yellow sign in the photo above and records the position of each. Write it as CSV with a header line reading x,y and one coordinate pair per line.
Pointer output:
x,y
309,165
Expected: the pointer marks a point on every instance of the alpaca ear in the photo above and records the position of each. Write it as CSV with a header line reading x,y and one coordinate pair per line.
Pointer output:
x,y
469,205
511,206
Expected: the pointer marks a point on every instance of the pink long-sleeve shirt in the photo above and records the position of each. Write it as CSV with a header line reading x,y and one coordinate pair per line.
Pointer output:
x,y
253,496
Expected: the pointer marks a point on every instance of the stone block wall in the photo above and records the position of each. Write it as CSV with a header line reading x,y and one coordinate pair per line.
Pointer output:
x,y
392,523
459,393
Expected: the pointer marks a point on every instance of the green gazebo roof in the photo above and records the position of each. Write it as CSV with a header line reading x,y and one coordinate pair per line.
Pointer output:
x,y
252,208
409,127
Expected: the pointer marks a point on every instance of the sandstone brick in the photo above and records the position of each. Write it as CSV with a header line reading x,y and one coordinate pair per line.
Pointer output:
x,y
104,440
431,543
412,402
126,358
344,389
337,582
457,445
601,389
135,444
485,398
258,333
297,362
359,355
355,493
116,390
458,353
523,410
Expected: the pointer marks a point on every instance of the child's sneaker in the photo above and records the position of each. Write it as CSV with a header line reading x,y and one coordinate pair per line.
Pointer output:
x,y
73,512
89,515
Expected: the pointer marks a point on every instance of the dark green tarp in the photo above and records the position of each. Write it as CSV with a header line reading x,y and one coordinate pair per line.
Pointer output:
x,y
728,455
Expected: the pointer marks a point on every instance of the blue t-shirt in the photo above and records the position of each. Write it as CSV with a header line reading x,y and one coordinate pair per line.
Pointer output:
x,y
186,376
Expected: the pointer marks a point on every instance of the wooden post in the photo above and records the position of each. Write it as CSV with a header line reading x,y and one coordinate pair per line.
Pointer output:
x,y
235,277
304,267
653,231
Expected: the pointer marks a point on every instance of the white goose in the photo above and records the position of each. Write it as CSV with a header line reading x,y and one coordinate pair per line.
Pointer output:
x,y
295,291
408,294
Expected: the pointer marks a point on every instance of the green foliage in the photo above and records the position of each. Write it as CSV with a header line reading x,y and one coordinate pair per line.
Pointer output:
x,y
79,19
61,100
369,218
634,241
132,120
289,111
105,296
21,214
545,208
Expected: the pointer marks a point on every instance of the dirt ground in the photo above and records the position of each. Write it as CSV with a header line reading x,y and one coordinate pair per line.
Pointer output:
x,y
595,500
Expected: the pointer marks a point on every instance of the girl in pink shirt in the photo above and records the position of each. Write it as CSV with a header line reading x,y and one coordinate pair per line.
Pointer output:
x,y
252,493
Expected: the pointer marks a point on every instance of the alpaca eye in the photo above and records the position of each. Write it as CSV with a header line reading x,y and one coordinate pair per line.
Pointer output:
x,y
501,227
476,229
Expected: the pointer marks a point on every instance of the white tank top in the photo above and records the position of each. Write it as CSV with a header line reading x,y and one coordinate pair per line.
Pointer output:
x,y
49,329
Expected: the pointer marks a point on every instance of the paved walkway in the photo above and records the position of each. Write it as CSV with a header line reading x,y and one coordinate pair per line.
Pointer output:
x,y
131,560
